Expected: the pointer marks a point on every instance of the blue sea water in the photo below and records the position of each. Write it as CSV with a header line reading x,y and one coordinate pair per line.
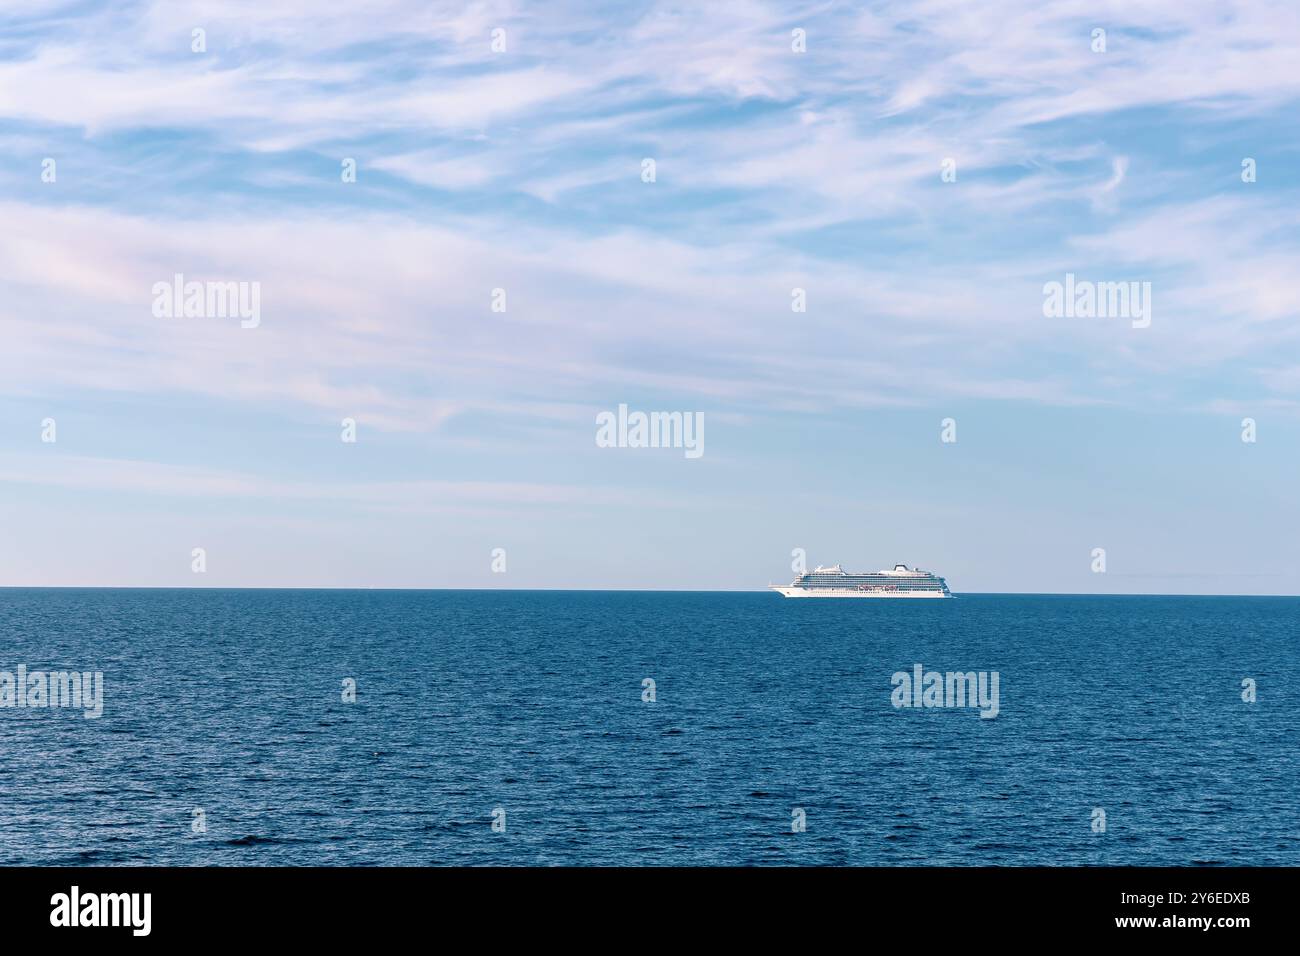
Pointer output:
x,y
467,701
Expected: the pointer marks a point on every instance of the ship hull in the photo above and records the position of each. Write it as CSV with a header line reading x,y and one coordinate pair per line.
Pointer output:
x,y
854,593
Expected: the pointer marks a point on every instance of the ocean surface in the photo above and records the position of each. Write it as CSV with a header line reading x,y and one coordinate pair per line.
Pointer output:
x,y
468,702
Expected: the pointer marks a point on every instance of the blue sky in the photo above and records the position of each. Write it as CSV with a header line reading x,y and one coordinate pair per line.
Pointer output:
x,y
521,170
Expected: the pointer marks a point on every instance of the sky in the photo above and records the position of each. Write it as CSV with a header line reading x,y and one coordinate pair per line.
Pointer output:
x,y
505,265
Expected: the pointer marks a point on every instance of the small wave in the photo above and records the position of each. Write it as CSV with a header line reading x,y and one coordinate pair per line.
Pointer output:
x,y
96,857
252,839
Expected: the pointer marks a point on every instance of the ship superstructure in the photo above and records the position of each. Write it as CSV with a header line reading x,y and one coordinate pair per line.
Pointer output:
x,y
899,582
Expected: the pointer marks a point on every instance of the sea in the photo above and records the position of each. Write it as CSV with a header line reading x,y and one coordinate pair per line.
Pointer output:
x,y
539,728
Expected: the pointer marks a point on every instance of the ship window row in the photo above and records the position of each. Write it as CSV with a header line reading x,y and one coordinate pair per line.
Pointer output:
x,y
832,579
920,585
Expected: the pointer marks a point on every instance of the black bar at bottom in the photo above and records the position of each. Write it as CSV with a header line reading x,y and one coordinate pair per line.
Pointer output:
x,y
215,905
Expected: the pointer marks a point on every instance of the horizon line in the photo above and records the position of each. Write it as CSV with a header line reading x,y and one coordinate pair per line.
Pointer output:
x,y
561,590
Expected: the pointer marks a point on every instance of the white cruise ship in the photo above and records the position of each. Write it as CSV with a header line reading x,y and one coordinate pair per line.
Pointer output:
x,y
835,582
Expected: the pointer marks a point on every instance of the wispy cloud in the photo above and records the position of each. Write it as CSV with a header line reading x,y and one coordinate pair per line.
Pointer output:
x,y
520,169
